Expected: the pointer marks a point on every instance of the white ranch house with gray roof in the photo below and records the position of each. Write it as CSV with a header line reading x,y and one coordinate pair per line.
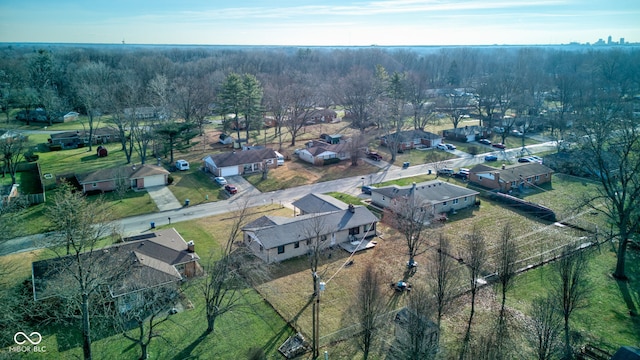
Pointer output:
x,y
442,197
276,238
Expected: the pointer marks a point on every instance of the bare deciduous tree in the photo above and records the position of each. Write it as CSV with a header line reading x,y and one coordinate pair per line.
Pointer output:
x,y
443,275
82,269
12,150
370,306
570,288
544,329
418,339
507,256
229,273
411,217
148,309
475,257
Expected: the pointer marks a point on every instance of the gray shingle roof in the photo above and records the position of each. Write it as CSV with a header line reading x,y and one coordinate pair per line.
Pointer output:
x,y
149,260
127,171
433,191
289,230
514,172
235,158
317,203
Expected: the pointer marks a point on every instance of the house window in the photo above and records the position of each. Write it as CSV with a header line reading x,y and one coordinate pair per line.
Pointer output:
x,y
354,230
537,177
529,180
444,203
323,237
455,201
296,244
281,249
514,183
95,184
465,199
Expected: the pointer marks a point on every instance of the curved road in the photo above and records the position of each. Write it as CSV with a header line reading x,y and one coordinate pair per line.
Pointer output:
x,y
139,224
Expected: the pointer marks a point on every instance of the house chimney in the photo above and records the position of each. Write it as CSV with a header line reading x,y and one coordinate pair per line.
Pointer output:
x,y
504,166
133,166
352,209
190,246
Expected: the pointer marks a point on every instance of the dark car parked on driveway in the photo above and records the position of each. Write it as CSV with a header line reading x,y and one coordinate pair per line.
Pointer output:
x,y
490,158
231,189
374,156
499,145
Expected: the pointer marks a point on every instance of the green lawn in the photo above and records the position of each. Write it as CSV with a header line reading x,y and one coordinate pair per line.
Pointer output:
x,y
606,322
196,186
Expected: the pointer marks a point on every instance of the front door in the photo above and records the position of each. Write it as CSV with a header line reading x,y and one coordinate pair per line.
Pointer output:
x,y
333,239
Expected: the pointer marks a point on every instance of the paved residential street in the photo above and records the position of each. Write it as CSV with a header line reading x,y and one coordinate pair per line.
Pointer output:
x,y
142,223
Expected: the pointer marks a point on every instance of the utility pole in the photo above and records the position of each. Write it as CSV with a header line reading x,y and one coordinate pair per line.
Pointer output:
x,y
318,287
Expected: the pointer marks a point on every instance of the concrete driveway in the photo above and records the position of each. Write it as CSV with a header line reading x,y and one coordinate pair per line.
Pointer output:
x,y
164,198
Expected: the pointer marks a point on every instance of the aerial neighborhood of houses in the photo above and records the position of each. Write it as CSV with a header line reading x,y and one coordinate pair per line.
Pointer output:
x,y
274,190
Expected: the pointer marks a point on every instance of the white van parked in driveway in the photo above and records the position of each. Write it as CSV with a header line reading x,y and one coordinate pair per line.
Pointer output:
x,y
280,158
182,165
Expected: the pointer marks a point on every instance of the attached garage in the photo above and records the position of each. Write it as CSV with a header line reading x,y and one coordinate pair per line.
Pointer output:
x,y
229,171
155,180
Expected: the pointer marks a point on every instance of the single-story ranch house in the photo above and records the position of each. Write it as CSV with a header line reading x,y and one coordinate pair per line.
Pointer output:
x,y
510,177
276,238
465,134
138,177
442,197
240,162
318,151
411,139
140,262
80,138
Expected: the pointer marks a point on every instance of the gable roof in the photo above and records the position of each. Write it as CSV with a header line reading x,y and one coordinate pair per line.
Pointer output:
x,y
465,130
434,191
127,171
82,133
410,135
320,147
147,261
281,230
514,172
318,203
235,158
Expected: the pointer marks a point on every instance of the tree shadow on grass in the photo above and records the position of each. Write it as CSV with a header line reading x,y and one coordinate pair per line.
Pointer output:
x,y
186,352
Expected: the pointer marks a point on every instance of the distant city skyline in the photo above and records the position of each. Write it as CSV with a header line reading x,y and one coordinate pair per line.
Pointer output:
x,y
327,23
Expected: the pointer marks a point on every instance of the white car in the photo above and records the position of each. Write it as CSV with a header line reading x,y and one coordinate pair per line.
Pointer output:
x,y
182,165
221,181
442,146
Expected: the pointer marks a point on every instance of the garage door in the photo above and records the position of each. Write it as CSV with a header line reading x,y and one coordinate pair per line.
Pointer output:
x,y
229,171
154,180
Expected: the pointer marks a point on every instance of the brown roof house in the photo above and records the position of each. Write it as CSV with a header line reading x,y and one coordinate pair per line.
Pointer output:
x,y
277,238
410,139
320,152
80,138
139,263
240,162
134,176
508,178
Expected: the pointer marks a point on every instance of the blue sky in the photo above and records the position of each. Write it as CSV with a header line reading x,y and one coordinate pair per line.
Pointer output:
x,y
328,22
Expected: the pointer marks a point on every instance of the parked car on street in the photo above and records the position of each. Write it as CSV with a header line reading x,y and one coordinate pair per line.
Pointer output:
x,y
490,158
446,172
499,145
442,146
231,189
484,141
221,181
450,146
366,189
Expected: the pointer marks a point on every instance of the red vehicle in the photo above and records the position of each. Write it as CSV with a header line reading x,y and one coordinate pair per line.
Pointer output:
x,y
231,189
374,156
499,145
